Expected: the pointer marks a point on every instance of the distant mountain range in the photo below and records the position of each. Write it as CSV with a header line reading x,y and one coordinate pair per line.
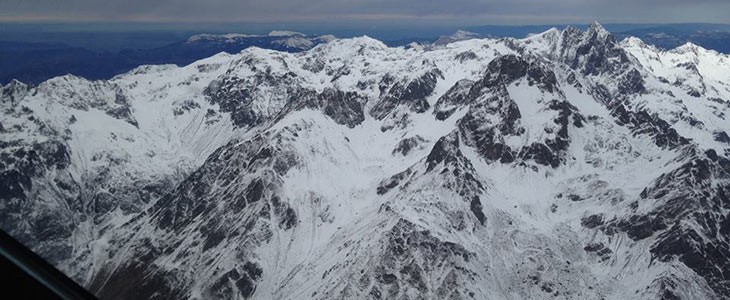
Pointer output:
x,y
670,37
36,62
33,57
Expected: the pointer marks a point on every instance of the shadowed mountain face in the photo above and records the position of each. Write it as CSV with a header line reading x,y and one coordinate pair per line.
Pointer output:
x,y
564,165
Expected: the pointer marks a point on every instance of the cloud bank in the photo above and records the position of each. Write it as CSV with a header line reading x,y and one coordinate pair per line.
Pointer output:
x,y
464,12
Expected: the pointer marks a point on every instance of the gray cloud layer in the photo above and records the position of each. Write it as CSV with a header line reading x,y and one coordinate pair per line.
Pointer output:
x,y
398,11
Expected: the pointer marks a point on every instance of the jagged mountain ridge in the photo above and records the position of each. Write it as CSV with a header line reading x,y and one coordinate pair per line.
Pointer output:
x,y
565,165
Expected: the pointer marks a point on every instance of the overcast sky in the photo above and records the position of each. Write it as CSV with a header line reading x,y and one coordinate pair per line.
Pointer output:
x,y
416,12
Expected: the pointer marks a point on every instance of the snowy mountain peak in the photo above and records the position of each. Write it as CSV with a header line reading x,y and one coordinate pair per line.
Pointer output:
x,y
547,39
634,42
697,50
597,28
571,31
459,35
547,34
463,34
13,92
14,83
368,41
281,33
556,166
327,38
687,47
352,46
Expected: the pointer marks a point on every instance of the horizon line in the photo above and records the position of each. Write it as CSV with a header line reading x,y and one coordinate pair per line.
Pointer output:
x,y
325,23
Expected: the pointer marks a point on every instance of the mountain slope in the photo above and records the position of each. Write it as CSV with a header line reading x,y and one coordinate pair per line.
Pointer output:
x,y
563,165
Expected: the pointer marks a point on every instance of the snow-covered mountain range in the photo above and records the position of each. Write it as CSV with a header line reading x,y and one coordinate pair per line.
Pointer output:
x,y
566,165
289,41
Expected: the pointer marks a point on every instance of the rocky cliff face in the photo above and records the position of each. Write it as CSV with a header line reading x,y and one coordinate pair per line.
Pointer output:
x,y
564,165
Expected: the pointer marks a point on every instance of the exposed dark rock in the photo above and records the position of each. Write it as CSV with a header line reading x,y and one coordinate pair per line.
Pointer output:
x,y
413,274
504,70
289,218
599,249
412,94
721,136
604,252
595,51
237,95
385,83
121,109
231,181
574,197
466,56
137,281
455,98
405,146
196,195
565,111
593,247
641,227
235,282
542,77
553,151
185,106
25,171
489,140
13,184
708,259
255,190
541,154
632,83
572,80
476,208
395,180
687,196
344,108
388,278
13,92
213,238
592,221
408,259
640,122
253,270
445,150
486,139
